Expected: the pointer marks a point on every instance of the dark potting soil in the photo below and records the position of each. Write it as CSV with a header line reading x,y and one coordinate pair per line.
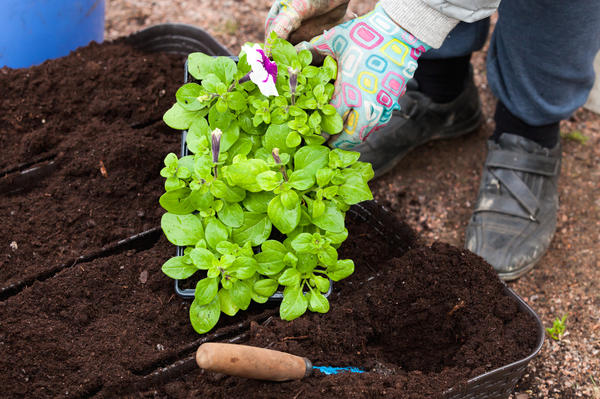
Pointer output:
x,y
97,110
418,319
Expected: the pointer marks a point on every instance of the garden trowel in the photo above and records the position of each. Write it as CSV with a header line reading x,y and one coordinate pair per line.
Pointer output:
x,y
259,363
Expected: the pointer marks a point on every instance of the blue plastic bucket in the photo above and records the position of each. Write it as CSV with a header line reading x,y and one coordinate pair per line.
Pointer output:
x,y
32,31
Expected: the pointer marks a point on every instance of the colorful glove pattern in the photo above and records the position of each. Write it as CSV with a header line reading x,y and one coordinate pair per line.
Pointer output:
x,y
376,58
285,16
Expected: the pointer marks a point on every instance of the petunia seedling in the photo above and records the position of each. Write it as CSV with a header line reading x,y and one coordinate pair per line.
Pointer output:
x,y
260,203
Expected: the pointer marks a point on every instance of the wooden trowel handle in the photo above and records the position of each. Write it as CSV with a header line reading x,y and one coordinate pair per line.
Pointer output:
x,y
252,362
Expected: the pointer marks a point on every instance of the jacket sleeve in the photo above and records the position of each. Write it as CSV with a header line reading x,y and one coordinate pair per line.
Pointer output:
x,y
431,20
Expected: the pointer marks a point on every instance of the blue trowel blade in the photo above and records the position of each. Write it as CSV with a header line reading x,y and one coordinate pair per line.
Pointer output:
x,y
334,370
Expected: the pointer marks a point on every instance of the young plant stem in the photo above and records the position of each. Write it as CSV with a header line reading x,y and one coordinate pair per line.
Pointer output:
x,y
275,154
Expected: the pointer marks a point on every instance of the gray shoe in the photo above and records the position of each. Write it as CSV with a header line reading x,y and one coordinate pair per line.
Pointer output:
x,y
515,214
420,120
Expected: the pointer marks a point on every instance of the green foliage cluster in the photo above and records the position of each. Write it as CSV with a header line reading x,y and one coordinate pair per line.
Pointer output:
x,y
558,328
259,167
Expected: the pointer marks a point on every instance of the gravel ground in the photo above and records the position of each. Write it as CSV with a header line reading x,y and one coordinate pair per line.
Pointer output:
x,y
435,187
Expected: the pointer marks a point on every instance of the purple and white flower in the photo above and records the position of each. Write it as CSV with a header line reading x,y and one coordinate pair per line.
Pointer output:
x,y
264,71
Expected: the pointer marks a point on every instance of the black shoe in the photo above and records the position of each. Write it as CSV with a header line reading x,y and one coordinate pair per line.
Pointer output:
x,y
420,120
515,214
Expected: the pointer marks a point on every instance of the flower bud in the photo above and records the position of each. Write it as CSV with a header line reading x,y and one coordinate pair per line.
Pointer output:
x,y
275,153
293,74
216,144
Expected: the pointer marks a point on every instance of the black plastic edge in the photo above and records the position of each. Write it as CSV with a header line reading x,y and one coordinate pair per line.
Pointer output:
x,y
176,38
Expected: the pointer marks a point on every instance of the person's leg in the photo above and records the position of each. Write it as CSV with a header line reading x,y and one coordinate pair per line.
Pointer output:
x,y
540,60
441,101
443,73
540,66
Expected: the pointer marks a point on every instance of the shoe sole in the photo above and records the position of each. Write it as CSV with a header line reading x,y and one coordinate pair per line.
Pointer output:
x,y
464,128
518,273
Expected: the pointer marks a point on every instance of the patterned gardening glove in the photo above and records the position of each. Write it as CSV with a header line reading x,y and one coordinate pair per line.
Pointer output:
x,y
285,16
376,58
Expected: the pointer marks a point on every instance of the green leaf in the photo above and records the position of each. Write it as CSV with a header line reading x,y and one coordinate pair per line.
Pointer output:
x,y
203,259
285,220
198,136
301,179
314,140
293,140
243,146
179,118
330,192
305,57
317,302
318,208
337,238
276,137
256,229
227,305
231,215
177,269
236,101
290,277
241,294
315,120
342,269
355,190
225,69
205,317
311,158
243,267
328,256
258,202
243,173
330,63
269,262
294,303
269,180
213,84
206,290
306,102
274,245
201,65
173,183
221,190
331,220
177,201
324,176
215,232
226,247
182,229
322,283
340,158
283,52
306,262
303,242
201,199
266,287
290,259
187,96
290,199
332,124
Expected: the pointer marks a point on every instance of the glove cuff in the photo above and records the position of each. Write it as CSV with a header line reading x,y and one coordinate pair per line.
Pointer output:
x,y
426,23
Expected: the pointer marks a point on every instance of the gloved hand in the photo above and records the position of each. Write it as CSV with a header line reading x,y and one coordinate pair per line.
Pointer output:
x,y
285,16
376,58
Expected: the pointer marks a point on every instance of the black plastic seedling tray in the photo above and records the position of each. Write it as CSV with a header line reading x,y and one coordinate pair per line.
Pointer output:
x,y
184,39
